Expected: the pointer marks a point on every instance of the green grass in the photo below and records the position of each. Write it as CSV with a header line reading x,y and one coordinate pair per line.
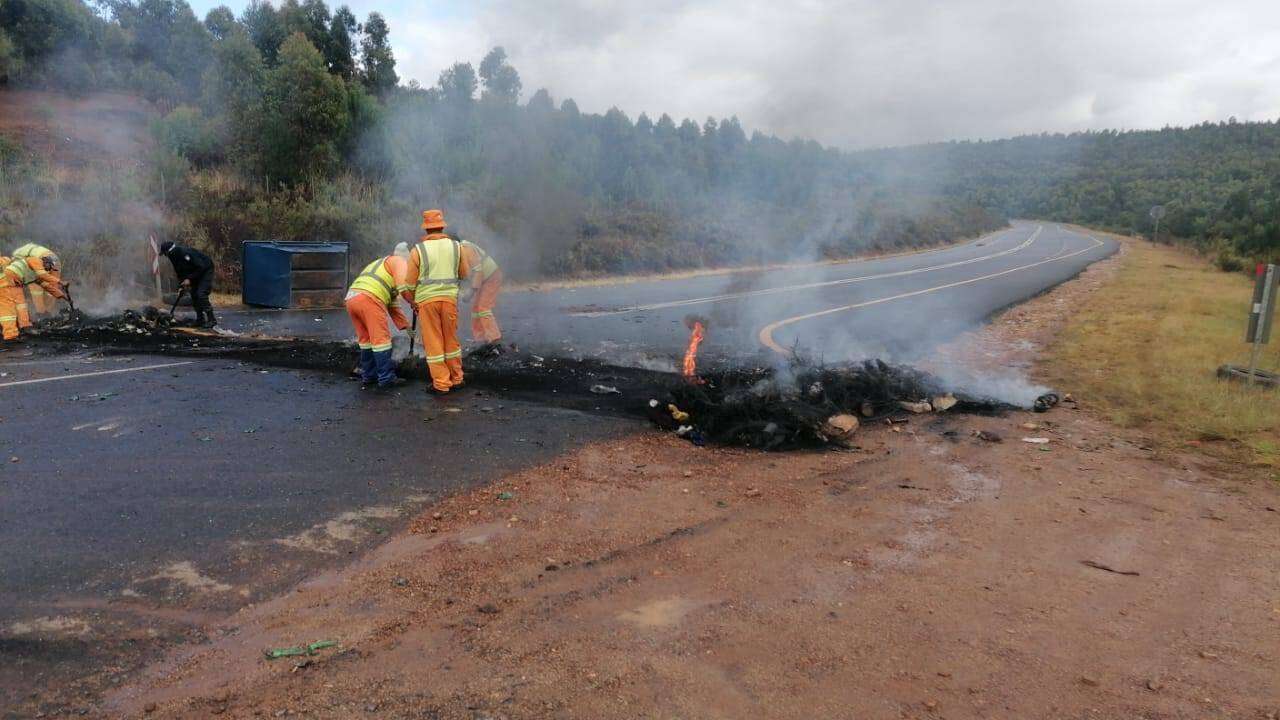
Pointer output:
x,y
1145,347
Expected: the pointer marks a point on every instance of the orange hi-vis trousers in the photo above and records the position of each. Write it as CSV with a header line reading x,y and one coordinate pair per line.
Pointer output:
x,y
41,302
484,326
438,321
10,299
369,318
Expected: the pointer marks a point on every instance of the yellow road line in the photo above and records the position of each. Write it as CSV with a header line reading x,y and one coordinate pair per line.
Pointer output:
x,y
766,333
809,286
95,374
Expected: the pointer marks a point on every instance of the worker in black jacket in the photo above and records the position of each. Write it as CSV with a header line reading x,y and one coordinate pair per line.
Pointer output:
x,y
195,271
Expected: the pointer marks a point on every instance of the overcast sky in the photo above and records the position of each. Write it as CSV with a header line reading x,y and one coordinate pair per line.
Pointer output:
x,y
860,73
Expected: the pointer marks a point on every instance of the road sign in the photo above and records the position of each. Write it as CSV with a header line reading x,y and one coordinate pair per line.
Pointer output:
x,y
155,268
1261,313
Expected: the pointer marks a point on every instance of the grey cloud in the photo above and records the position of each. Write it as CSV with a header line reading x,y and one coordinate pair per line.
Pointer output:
x,y
863,73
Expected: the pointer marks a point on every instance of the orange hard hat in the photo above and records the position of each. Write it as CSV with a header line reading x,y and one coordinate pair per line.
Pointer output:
x,y
433,220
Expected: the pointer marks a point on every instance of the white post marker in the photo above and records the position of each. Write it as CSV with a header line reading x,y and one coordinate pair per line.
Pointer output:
x,y
1260,314
155,268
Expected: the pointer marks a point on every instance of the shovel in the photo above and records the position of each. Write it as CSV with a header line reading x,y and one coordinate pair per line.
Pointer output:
x,y
413,331
182,289
66,290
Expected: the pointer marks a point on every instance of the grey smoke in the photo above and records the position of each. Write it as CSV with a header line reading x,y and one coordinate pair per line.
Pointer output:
x,y
863,74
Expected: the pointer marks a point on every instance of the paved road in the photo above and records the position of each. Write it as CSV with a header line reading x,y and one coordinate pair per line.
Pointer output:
x,y
898,308
139,493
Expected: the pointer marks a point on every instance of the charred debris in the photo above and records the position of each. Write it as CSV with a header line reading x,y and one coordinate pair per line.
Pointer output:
x,y
804,405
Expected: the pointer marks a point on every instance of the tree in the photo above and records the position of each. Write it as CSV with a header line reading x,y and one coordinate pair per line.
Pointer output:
x,y
167,34
378,65
307,114
10,61
541,102
233,97
309,17
265,29
39,28
501,81
220,22
457,84
341,54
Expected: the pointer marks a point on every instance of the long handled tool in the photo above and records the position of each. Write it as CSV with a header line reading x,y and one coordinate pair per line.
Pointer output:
x,y
66,290
413,332
182,289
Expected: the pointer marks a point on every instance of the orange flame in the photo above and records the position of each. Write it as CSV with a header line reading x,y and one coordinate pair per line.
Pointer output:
x,y
691,355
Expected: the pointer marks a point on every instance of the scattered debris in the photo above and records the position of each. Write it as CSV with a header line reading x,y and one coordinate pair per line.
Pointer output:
x,y
1099,566
942,403
840,428
488,609
677,414
312,649
1036,440
605,390
505,495
777,411
988,436
1045,402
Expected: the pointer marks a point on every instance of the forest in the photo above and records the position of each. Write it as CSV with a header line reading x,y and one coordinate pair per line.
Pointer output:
x,y
292,123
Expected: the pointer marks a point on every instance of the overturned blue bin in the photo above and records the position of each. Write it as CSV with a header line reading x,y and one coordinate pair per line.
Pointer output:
x,y
294,274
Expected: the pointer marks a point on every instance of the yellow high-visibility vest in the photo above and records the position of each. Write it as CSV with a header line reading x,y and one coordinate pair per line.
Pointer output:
x,y
439,260
19,266
487,265
376,280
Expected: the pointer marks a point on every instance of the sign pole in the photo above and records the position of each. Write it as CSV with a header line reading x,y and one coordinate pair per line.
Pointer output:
x,y
1260,317
155,268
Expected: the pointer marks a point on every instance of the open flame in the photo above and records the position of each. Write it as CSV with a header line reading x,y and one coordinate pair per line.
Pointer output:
x,y
691,355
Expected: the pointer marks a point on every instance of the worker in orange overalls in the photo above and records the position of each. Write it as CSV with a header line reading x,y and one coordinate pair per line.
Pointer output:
x,y
30,264
373,296
40,304
439,266
486,283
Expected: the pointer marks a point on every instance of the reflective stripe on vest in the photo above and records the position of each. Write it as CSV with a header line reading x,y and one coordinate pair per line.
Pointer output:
x,y
19,266
439,261
486,265
376,280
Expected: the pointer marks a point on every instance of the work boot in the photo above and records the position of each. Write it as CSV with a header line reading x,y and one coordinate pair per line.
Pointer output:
x,y
392,384
209,320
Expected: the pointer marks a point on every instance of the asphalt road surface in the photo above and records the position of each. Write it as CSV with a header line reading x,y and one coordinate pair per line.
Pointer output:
x,y
141,495
893,308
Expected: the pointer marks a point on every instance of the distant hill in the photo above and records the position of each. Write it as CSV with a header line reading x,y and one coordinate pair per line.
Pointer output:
x,y
1218,182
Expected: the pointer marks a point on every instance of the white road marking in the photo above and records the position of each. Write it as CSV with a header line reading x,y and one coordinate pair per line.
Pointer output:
x,y
808,286
95,374
766,333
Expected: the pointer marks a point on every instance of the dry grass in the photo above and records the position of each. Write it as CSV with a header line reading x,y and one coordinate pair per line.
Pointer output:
x,y
1144,350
